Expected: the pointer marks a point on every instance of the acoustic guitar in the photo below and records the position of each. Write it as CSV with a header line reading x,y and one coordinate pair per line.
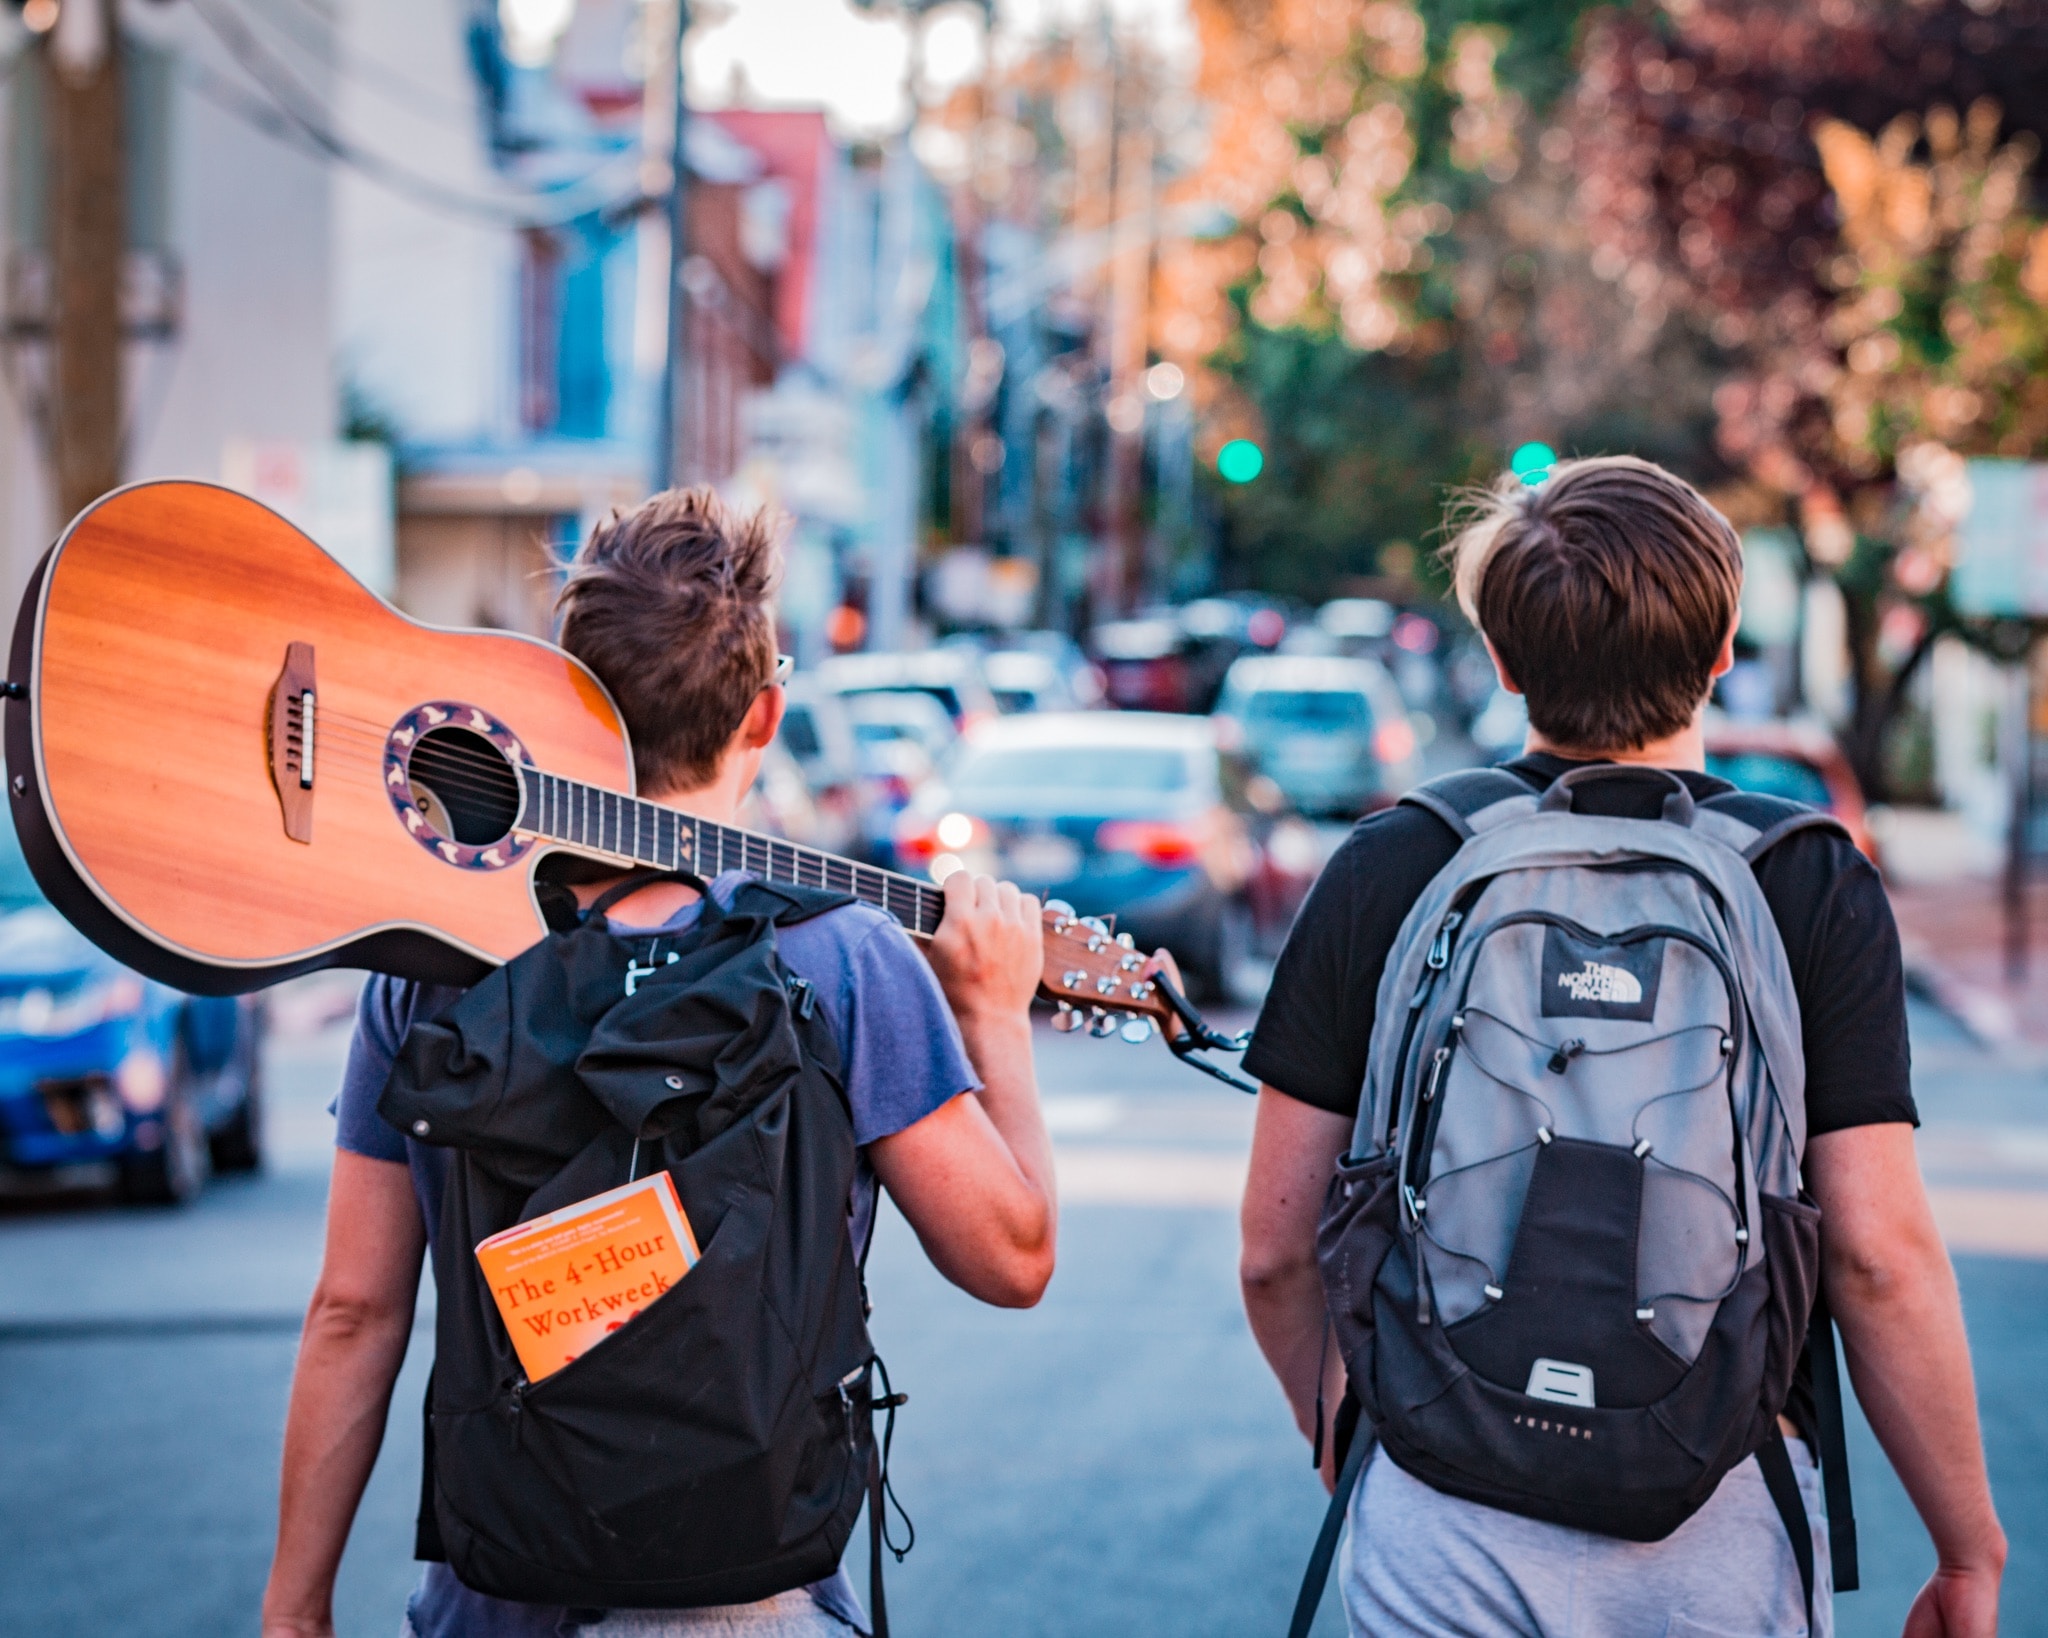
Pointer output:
x,y
230,762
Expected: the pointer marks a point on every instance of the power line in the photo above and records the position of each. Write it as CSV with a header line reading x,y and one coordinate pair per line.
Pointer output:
x,y
303,23
292,105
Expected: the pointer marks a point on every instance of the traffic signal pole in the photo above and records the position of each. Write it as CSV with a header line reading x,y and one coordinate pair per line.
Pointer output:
x,y
88,250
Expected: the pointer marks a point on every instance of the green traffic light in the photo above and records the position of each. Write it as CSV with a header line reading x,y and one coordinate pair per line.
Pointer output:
x,y
1532,463
1240,461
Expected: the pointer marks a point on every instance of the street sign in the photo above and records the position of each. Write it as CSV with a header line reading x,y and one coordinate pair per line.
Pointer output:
x,y
2001,567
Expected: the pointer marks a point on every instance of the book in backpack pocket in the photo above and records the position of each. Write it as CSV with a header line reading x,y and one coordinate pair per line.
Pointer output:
x,y
566,1281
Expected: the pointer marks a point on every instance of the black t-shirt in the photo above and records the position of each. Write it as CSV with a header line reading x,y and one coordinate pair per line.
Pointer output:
x,y
1826,898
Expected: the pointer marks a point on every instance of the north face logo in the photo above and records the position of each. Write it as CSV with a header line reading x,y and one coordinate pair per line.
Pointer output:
x,y
1600,977
1596,981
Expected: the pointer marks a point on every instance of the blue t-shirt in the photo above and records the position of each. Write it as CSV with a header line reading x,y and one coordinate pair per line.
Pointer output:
x,y
901,1056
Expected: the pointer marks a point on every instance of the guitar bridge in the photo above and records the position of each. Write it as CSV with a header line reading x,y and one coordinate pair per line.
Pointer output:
x,y
291,740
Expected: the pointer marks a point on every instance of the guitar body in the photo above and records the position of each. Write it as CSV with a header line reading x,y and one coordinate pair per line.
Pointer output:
x,y
170,642
229,762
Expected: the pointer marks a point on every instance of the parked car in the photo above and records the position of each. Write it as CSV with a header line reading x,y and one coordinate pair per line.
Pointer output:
x,y
1794,759
952,676
1330,732
1130,814
101,1068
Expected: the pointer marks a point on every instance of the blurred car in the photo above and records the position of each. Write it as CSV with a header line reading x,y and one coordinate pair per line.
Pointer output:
x,y
1033,670
1360,625
817,732
1330,732
100,1067
1799,760
1143,666
782,803
952,676
1135,815
899,739
1500,728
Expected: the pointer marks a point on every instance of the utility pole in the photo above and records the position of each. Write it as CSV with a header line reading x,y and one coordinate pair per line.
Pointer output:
x,y
88,250
1130,292
670,467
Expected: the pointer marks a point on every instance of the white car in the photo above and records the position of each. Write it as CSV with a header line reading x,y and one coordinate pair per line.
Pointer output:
x,y
1330,731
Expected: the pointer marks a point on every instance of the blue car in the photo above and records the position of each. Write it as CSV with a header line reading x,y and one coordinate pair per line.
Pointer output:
x,y
103,1070
1124,813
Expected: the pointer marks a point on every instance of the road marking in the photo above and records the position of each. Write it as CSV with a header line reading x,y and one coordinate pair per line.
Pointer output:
x,y
1082,1114
1102,1175
1985,1222
1992,1222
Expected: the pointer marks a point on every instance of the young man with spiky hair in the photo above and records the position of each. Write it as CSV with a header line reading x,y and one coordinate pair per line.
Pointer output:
x,y
1608,595
669,605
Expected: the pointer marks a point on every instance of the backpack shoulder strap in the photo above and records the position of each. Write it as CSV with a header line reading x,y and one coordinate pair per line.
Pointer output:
x,y
786,905
1753,824
1462,799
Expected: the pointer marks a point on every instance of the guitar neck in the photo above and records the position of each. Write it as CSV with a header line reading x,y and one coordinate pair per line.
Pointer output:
x,y
604,823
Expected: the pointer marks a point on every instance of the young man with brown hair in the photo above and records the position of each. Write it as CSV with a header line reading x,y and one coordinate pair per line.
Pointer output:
x,y
1608,596
670,606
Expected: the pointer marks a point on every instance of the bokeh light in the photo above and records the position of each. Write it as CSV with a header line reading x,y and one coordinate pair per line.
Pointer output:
x,y
1240,461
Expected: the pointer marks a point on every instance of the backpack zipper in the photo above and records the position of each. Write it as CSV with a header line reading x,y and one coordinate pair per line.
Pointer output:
x,y
1434,963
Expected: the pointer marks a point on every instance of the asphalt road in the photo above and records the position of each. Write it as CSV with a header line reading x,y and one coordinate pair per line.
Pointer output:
x,y
1115,1461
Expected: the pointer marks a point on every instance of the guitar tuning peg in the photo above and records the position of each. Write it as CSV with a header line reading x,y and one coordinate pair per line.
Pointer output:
x,y
1126,941
1060,908
1102,1025
1066,1020
1137,1028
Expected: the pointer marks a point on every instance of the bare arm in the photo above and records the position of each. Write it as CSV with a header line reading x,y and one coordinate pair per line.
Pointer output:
x,y
349,1356
975,1177
1294,1150
1893,1294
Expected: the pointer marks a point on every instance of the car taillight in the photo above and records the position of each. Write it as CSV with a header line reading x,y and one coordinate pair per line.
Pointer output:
x,y
917,840
1157,841
1394,741
921,840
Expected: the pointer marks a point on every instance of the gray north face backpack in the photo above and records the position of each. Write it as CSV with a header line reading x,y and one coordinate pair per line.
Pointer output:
x,y
1567,1259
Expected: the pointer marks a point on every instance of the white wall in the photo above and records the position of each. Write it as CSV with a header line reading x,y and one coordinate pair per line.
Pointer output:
x,y
253,227
251,222
423,296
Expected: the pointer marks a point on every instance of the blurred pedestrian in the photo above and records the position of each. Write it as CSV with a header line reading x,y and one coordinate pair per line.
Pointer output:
x,y
669,606
1534,1326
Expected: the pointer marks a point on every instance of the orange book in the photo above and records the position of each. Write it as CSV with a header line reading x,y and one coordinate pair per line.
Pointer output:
x,y
567,1280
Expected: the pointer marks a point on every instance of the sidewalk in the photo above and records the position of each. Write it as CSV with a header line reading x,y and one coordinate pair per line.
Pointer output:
x,y
1953,935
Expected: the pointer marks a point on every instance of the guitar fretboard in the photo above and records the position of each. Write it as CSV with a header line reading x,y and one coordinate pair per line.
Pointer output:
x,y
594,820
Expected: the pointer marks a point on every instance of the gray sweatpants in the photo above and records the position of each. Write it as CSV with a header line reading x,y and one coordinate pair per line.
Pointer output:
x,y
1419,1564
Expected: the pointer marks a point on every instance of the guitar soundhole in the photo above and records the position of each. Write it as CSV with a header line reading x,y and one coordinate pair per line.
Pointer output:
x,y
464,785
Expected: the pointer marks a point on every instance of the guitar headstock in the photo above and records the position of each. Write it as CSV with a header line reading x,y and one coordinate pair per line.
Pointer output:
x,y
1091,974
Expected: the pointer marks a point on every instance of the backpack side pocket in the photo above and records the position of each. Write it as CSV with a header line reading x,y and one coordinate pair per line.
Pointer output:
x,y
1792,1263
1360,1218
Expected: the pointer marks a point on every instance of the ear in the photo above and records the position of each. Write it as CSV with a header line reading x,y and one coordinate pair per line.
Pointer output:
x,y
1724,662
757,728
1500,670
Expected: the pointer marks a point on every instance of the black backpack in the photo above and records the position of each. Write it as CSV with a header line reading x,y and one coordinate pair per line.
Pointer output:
x,y
718,1447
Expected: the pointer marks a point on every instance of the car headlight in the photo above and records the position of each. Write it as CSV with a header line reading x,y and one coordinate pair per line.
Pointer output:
x,y
40,1013
142,1080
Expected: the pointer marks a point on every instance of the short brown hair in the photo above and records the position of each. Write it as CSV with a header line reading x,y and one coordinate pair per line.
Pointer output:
x,y
670,604
1607,590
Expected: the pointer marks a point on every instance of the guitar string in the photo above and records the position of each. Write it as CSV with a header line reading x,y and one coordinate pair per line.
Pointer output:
x,y
871,883
478,773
